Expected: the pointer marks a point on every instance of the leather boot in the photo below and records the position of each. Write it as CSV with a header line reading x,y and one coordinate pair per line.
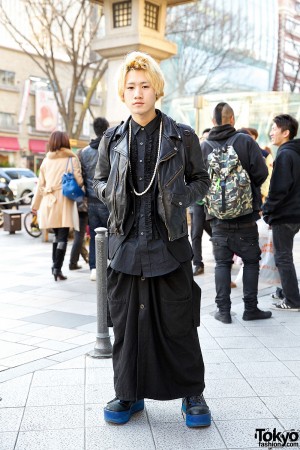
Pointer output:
x,y
59,259
54,247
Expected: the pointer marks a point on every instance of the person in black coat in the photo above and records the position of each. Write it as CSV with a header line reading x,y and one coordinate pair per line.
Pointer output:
x,y
238,235
282,207
147,177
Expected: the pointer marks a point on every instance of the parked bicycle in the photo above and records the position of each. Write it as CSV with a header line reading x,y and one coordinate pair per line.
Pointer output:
x,y
31,225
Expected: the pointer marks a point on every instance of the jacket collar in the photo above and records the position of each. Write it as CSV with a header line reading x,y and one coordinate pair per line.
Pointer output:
x,y
62,153
170,130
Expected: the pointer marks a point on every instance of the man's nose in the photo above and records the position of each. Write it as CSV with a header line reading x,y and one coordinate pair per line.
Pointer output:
x,y
137,92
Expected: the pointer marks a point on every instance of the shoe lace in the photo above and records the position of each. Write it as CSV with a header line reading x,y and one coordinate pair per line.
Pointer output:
x,y
196,399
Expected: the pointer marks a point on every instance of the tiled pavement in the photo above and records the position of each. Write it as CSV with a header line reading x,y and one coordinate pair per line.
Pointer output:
x,y
53,394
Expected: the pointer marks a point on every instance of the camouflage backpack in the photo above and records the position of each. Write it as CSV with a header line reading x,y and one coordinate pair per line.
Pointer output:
x,y
230,193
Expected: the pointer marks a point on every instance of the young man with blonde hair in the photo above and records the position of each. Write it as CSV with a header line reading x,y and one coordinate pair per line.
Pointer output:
x,y
149,171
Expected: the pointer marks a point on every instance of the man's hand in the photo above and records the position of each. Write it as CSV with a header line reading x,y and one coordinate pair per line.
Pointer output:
x,y
34,211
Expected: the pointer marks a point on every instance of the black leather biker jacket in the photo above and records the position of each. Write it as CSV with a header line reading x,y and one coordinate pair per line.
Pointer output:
x,y
182,177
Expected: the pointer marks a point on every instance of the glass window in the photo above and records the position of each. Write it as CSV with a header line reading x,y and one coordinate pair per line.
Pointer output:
x,y
122,14
7,77
151,15
7,121
38,83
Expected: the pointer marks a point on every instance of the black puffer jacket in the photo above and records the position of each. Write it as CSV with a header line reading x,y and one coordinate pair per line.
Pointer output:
x,y
251,158
182,178
283,202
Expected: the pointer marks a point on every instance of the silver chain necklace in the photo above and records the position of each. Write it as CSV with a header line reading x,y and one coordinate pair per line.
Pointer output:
x,y
157,159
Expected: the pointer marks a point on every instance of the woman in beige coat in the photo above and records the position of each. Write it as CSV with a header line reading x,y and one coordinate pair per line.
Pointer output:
x,y
55,210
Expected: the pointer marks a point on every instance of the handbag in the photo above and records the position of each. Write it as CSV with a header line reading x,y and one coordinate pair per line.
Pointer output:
x,y
70,188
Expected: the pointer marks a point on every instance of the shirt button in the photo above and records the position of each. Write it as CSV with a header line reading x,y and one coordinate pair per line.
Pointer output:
x,y
141,143
142,129
142,306
180,203
141,160
143,278
142,233
140,178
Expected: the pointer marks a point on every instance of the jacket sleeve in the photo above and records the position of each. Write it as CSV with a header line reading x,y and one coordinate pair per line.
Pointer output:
x,y
102,169
77,171
38,196
281,183
258,170
196,176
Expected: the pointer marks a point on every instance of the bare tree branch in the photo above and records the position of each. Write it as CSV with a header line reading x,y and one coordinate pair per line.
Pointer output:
x,y
60,32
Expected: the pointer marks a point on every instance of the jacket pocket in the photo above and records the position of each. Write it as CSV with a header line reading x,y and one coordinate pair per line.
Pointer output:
x,y
177,316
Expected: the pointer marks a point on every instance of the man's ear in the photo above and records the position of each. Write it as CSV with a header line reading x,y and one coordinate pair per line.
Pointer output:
x,y
286,134
232,120
214,122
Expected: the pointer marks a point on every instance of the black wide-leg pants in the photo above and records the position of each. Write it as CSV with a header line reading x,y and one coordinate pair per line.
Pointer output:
x,y
156,352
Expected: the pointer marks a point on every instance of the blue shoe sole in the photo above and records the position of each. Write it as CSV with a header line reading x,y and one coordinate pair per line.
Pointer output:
x,y
201,420
124,416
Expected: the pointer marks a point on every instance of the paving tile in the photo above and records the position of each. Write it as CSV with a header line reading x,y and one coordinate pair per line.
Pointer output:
x,y
283,342
164,412
12,348
14,392
56,395
295,329
274,387
286,354
170,436
28,328
249,354
215,356
99,393
68,377
96,375
24,369
10,418
276,330
56,333
294,366
241,433
74,363
10,324
64,356
55,345
220,371
209,343
30,356
98,362
264,369
78,307
52,417
60,319
239,342
8,440
230,331
290,424
231,387
83,339
12,337
137,437
284,407
11,311
238,408
71,439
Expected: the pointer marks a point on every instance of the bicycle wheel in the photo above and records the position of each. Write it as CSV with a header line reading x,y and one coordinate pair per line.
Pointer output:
x,y
31,225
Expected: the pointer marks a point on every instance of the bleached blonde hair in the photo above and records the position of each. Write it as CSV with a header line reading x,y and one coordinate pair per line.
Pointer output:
x,y
142,61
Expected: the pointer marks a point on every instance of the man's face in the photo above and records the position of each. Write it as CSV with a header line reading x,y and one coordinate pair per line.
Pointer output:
x,y
139,95
278,137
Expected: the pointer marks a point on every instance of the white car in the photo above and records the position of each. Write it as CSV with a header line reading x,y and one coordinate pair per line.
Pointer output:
x,y
23,183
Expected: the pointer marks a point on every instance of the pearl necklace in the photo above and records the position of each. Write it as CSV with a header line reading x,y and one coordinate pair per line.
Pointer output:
x,y
157,159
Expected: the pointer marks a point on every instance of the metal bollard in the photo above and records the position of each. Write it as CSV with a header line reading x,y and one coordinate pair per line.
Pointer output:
x,y
103,347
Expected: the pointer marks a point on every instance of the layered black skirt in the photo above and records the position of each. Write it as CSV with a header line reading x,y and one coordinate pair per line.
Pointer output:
x,y
156,352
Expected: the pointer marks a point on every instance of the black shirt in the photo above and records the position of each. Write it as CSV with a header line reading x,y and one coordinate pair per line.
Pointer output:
x,y
144,252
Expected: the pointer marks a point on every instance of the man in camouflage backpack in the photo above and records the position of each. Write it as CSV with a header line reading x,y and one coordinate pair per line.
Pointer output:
x,y
234,160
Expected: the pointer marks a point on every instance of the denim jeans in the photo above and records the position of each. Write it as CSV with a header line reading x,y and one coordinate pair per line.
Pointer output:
x,y
199,224
244,243
283,240
98,216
